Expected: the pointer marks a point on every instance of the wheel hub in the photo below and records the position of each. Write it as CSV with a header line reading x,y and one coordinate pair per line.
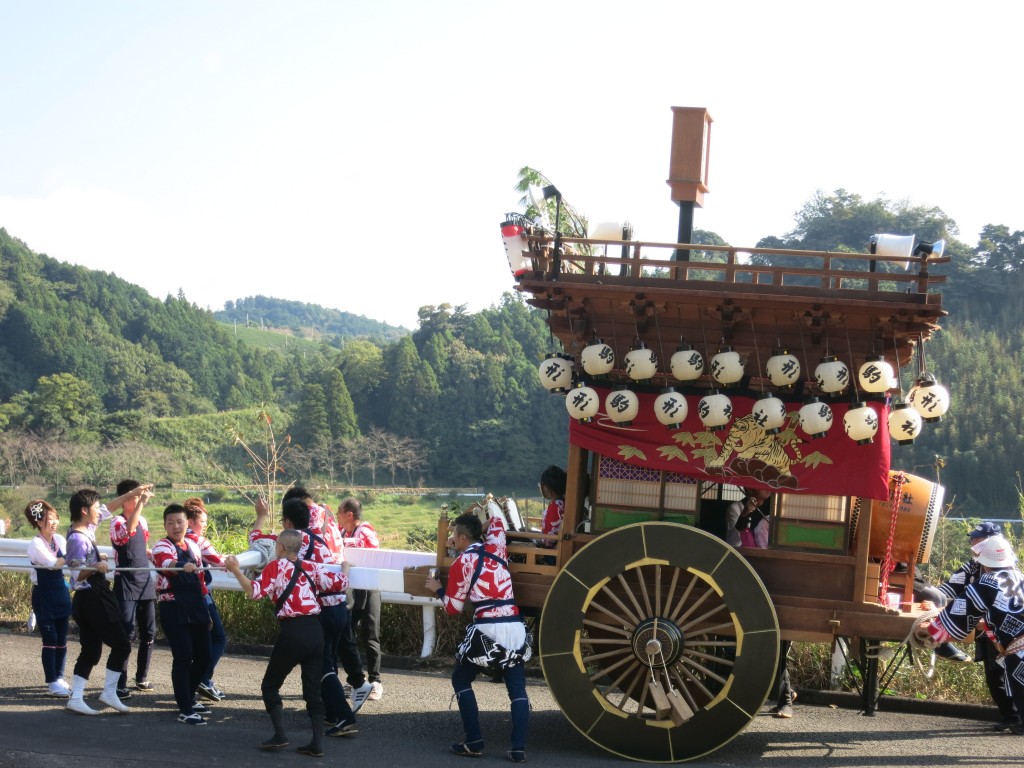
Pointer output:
x,y
657,641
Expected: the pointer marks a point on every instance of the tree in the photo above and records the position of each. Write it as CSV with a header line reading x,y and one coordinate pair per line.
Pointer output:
x,y
67,406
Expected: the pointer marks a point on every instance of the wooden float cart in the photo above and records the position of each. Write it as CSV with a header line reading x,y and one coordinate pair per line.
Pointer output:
x,y
659,640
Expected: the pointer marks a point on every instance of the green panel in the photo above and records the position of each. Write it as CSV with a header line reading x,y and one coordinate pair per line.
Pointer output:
x,y
794,533
606,519
686,518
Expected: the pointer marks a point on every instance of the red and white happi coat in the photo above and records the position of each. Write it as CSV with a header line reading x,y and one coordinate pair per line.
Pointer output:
x,y
165,555
301,601
313,549
490,592
363,536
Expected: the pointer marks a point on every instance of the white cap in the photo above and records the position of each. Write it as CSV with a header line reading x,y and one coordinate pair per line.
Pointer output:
x,y
995,552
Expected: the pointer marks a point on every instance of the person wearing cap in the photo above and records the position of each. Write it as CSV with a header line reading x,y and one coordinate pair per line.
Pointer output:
x,y
984,651
997,597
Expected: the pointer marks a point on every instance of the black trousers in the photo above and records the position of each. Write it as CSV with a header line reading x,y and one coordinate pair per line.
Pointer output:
x,y
366,628
190,655
99,623
299,643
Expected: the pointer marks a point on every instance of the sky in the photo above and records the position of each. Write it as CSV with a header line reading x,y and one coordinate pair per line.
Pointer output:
x,y
361,155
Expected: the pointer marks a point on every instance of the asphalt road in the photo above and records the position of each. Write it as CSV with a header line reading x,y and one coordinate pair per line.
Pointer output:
x,y
413,725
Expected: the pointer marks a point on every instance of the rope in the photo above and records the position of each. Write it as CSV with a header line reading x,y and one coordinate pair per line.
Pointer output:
x,y
888,566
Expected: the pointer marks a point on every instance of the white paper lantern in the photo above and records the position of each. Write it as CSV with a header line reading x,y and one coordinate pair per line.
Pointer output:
x,y
875,375
783,368
715,410
670,408
640,363
904,423
597,358
622,406
556,372
687,363
861,423
770,414
929,398
582,403
832,374
726,366
815,418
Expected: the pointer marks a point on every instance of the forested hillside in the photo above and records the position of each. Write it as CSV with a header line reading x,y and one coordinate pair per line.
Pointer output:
x,y
97,378
89,363
266,312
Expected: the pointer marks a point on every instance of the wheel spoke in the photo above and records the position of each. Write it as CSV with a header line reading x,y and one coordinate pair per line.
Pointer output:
x,y
605,670
695,681
607,611
633,618
703,617
657,590
608,628
683,598
607,654
696,604
687,662
630,595
643,591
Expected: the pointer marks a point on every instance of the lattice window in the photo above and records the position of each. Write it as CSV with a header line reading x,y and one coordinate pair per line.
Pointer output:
x,y
829,509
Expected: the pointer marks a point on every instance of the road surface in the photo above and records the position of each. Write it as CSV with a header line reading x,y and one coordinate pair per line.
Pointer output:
x,y
414,723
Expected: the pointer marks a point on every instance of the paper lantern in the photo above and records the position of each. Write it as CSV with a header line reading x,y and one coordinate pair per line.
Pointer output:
x,y
640,363
875,375
904,423
770,414
929,398
556,372
687,363
861,423
783,368
670,408
832,374
597,358
622,406
726,366
815,418
715,410
582,403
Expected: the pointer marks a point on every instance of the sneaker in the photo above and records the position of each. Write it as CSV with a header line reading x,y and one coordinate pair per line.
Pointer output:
x,y
348,689
193,719
1004,725
59,689
376,691
360,695
124,694
342,728
464,750
209,692
274,742
516,755
785,711
310,749
777,707
143,685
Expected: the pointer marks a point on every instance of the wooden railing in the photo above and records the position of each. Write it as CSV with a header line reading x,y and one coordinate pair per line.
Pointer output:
x,y
829,270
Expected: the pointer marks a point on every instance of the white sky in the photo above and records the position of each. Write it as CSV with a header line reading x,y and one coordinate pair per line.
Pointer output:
x,y
360,155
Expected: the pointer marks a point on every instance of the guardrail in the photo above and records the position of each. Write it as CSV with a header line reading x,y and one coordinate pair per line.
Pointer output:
x,y
381,570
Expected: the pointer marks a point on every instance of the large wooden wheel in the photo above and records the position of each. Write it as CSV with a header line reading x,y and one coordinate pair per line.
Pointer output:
x,y
659,642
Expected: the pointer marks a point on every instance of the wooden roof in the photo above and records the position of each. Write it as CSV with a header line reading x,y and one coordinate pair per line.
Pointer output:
x,y
818,303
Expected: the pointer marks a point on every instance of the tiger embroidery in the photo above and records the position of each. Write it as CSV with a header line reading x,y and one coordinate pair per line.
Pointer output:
x,y
749,441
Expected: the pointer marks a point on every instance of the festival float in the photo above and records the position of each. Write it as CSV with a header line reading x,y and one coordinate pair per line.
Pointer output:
x,y
692,374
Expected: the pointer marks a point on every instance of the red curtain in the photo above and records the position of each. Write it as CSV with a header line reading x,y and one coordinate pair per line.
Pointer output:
x,y
743,453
